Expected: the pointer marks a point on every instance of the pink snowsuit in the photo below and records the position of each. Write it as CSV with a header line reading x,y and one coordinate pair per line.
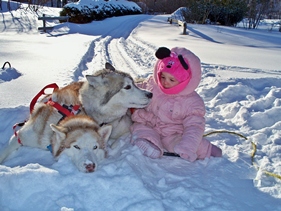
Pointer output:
x,y
174,122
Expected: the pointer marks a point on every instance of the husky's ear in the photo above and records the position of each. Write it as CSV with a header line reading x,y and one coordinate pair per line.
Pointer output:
x,y
95,80
60,137
109,66
105,132
60,131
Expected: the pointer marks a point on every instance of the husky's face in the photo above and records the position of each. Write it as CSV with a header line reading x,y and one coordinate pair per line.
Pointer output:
x,y
119,90
85,152
85,146
139,98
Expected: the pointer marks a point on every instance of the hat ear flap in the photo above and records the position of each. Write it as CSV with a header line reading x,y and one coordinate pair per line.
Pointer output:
x,y
183,63
162,53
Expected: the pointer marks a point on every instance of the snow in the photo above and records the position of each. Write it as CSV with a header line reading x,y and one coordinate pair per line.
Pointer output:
x,y
241,87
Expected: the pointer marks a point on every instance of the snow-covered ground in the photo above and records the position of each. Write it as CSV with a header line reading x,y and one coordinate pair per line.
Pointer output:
x,y
241,86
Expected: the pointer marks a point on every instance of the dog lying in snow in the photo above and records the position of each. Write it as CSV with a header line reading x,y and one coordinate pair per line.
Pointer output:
x,y
105,97
79,137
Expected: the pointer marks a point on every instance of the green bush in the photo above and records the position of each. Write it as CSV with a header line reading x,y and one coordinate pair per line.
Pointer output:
x,y
226,12
229,14
98,12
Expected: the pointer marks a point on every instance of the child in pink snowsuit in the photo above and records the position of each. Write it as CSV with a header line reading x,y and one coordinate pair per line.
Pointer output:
x,y
174,120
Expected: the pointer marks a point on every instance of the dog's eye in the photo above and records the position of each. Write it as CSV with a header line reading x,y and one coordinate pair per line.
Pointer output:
x,y
127,87
76,146
95,147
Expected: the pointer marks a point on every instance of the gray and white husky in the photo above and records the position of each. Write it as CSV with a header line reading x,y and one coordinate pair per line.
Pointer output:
x,y
105,96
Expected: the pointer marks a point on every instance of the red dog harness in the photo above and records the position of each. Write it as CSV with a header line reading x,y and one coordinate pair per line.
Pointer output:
x,y
64,110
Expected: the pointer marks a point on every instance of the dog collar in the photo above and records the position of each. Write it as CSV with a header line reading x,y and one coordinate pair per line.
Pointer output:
x,y
49,147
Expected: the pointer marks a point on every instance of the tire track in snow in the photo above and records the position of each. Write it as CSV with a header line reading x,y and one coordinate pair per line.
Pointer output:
x,y
119,58
100,56
133,56
82,66
121,48
93,59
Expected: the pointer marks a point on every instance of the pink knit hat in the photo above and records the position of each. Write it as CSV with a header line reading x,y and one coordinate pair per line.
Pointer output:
x,y
175,65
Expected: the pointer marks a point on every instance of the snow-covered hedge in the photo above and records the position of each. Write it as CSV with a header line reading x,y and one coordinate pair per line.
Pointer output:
x,y
85,11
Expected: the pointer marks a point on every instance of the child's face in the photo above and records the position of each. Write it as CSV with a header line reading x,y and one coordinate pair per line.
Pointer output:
x,y
167,80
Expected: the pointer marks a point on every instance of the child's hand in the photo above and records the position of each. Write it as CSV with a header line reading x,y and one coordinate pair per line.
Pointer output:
x,y
185,153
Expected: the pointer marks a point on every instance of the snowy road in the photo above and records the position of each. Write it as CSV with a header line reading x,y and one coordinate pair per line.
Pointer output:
x,y
121,48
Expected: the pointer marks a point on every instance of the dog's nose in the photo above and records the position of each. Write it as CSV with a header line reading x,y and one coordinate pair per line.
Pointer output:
x,y
90,167
149,94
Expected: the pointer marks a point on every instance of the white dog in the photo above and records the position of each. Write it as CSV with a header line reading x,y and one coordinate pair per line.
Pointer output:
x,y
79,137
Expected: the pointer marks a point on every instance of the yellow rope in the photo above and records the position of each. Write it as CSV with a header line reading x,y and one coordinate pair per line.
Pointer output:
x,y
256,165
253,153
225,131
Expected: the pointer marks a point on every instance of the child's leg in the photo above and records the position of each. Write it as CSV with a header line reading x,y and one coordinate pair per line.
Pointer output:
x,y
148,148
216,151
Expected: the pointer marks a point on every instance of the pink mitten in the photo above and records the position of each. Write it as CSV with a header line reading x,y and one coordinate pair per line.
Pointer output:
x,y
148,148
185,153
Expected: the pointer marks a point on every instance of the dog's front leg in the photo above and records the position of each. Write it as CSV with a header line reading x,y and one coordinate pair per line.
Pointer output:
x,y
8,148
120,127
